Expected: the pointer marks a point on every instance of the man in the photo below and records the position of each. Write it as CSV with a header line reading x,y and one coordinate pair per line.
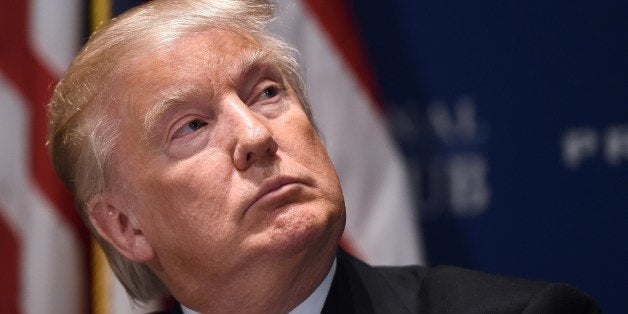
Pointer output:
x,y
183,131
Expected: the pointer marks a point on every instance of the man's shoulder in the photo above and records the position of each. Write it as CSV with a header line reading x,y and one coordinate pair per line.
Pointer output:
x,y
447,289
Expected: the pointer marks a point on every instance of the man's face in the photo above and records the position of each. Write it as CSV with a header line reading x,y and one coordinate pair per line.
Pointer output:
x,y
223,166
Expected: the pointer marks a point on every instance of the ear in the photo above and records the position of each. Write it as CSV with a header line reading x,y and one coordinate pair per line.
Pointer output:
x,y
120,228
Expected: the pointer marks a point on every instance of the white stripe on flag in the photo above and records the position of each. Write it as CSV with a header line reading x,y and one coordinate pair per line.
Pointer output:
x,y
55,31
50,263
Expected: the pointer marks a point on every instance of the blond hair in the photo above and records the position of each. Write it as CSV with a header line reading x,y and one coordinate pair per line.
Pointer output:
x,y
82,135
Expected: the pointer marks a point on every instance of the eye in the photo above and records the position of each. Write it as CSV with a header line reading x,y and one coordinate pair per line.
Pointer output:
x,y
266,92
190,127
269,92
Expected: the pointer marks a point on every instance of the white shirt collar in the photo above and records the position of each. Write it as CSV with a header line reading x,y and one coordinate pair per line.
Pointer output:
x,y
315,302
312,305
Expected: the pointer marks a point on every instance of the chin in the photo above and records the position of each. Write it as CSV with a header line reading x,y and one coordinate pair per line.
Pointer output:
x,y
301,229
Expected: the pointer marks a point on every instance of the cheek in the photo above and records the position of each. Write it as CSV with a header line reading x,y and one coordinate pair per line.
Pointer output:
x,y
307,147
187,195
301,142
296,133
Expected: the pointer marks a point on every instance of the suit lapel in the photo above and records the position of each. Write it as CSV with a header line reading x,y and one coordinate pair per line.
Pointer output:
x,y
359,288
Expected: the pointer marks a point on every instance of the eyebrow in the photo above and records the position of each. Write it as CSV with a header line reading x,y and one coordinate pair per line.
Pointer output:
x,y
166,104
253,60
172,99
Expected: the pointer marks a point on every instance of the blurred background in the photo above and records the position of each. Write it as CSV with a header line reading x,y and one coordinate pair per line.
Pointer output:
x,y
491,135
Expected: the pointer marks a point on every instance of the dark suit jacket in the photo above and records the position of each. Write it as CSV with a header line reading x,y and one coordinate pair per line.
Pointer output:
x,y
360,288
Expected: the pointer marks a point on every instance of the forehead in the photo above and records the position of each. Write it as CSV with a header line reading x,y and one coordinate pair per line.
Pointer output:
x,y
152,79
208,56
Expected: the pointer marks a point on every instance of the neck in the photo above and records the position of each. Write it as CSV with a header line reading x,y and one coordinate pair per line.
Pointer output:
x,y
273,286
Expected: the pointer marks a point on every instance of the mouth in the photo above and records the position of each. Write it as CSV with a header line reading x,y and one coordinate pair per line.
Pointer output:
x,y
277,189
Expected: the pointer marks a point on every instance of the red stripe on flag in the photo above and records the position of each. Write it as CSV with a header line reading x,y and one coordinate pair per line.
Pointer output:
x,y
10,266
34,82
341,28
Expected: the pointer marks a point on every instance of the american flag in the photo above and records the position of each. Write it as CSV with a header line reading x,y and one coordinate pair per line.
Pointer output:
x,y
43,242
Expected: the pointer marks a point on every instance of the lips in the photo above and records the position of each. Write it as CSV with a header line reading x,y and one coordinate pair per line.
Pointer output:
x,y
274,188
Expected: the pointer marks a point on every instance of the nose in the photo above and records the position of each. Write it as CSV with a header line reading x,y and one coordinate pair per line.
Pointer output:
x,y
253,139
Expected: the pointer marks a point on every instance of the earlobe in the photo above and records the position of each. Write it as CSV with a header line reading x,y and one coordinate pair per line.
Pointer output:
x,y
120,229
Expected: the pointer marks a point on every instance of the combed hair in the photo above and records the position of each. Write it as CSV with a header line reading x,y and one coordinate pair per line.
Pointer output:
x,y
82,133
